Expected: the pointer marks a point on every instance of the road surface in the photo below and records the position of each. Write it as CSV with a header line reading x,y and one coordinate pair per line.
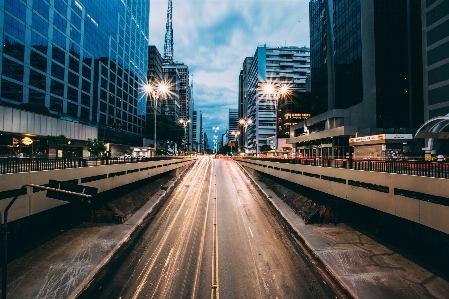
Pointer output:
x,y
214,237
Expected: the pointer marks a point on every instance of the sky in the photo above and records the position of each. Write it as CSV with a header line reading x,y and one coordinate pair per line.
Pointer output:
x,y
213,37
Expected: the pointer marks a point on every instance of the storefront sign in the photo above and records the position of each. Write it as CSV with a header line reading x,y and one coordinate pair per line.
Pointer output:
x,y
380,137
27,141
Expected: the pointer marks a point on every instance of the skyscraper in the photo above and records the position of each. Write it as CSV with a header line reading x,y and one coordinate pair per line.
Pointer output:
x,y
233,123
287,65
366,72
82,60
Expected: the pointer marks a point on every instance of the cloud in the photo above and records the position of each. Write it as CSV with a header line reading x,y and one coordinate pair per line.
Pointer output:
x,y
213,37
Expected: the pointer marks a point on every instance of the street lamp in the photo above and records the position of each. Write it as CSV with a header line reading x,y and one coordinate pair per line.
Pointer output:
x,y
185,124
276,91
245,123
235,133
154,91
216,128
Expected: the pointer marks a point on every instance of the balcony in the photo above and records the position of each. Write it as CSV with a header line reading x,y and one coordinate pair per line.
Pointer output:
x,y
286,53
287,64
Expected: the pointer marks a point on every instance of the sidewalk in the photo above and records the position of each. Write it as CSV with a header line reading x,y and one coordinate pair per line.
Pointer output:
x,y
64,266
366,268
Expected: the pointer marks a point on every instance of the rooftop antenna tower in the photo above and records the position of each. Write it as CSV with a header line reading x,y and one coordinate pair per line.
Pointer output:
x,y
168,46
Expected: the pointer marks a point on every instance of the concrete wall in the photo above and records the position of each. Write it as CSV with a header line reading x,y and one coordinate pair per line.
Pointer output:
x,y
373,189
107,177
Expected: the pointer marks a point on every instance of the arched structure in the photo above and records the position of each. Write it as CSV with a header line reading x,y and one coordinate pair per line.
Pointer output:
x,y
436,130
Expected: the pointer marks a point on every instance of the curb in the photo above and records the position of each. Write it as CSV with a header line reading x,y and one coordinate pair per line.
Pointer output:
x,y
305,242
157,197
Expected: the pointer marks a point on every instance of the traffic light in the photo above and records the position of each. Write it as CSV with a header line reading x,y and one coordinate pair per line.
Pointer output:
x,y
72,193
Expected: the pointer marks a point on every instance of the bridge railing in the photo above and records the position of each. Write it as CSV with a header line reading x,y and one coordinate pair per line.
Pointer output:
x,y
418,168
15,165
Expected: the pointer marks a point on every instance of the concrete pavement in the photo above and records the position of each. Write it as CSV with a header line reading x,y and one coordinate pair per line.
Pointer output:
x,y
364,267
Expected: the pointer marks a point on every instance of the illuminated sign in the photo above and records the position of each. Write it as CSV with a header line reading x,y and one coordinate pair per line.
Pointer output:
x,y
27,141
381,137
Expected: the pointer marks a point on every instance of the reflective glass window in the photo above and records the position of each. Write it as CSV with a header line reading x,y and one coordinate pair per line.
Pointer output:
x,y
60,22
57,87
12,69
72,94
17,8
75,35
76,20
59,38
87,72
13,48
72,109
40,24
61,7
36,96
85,113
73,79
41,7
56,104
37,79
57,71
12,91
58,55
85,86
38,42
14,27
74,64
38,61
85,99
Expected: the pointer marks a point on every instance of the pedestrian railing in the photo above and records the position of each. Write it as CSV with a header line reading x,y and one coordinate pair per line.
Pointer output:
x,y
418,168
15,165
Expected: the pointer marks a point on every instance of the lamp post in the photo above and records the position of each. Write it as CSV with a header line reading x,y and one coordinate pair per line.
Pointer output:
x,y
215,143
154,91
184,123
276,91
235,133
216,128
245,123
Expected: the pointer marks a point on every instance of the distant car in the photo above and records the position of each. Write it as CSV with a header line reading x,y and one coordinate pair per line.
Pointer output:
x,y
125,157
140,157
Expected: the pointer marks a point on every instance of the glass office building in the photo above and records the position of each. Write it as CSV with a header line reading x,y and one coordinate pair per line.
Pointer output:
x,y
83,60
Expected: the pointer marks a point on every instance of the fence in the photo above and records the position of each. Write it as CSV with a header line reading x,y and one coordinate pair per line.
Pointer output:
x,y
14,165
418,168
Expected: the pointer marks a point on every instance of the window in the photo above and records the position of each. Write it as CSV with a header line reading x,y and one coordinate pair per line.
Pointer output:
x,y
38,61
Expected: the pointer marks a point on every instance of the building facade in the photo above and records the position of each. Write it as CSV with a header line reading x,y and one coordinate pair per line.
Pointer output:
x,y
154,75
279,65
243,97
365,77
197,132
233,123
435,18
81,60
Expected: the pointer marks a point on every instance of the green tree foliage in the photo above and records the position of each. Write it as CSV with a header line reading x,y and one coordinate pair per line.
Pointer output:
x,y
96,147
167,131
265,148
57,142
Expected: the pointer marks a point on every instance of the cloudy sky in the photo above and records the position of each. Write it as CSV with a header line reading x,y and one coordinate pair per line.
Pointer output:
x,y
213,37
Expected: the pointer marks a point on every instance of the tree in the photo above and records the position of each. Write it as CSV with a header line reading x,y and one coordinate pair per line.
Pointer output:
x,y
265,148
167,130
57,142
96,147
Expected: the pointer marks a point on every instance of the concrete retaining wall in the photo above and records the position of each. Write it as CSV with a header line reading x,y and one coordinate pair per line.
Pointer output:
x,y
104,178
424,200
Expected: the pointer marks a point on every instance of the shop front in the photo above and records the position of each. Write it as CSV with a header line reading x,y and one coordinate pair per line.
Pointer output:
x,y
24,146
380,146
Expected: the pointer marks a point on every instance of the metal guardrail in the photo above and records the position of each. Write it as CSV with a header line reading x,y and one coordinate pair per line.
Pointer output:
x,y
418,168
15,165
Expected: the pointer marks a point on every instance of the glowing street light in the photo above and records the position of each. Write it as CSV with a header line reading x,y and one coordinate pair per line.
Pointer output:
x,y
275,91
235,133
185,123
245,123
154,91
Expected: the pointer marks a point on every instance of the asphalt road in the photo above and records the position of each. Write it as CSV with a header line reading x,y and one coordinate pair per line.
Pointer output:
x,y
214,237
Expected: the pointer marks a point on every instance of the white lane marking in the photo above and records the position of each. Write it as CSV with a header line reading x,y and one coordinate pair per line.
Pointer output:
x,y
186,212
251,232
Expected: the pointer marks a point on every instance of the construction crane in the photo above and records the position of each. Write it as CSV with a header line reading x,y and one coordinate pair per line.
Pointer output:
x,y
168,46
